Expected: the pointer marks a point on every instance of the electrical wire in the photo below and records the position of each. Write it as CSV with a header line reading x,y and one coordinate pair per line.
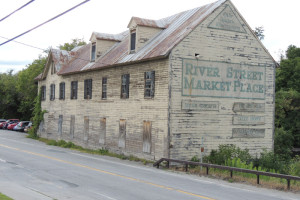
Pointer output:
x,y
57,53
45,22
17,10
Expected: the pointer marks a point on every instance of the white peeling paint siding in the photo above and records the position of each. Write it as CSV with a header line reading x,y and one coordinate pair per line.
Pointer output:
x,y
209,115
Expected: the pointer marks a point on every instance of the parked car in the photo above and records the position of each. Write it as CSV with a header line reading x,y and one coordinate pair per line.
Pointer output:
x,y
1,122
21,126
11,126
27,128
9,121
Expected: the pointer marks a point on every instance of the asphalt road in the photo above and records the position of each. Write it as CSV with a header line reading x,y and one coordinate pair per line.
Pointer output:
x,y
32,170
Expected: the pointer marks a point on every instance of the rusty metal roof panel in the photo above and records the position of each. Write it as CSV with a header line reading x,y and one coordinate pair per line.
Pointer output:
x,y
177,27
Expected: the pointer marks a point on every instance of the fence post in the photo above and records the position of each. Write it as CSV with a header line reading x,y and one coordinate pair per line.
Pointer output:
x,y
257,175
231,173
168,164
207,170
157,166
186,167
288,184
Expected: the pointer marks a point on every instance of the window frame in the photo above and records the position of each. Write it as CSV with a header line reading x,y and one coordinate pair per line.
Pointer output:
x,y
149,89
74,89
104,88
52,92
93,52
62,90
43,93
125,82
132,44
88,88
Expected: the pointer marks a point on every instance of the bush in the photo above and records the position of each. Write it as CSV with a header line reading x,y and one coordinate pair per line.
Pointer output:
x,y
226,152
269,161
283,143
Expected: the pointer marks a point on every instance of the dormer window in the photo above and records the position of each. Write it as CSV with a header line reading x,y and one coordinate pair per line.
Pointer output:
x,y
93,53
132,40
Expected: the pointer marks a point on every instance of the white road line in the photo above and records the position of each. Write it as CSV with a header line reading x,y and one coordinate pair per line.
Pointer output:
x,y
104,196
2,160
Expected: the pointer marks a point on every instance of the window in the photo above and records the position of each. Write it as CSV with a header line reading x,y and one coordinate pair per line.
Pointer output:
x,y
62,90
53,68
52,92
149,84
88,89
132,41
93,53
74,85
104,88
125,86
43,93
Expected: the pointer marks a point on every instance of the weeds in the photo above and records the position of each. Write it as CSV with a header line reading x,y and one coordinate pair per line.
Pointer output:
x,y
105,152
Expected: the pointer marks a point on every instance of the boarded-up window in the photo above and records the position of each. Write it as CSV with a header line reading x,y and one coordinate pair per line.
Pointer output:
x,y
86,129
60,122
93,53
88,88
132,40
149,84
104,88
62,90
125,86
147,137
74,85
43,93
52,92
102,131
72,126
122,133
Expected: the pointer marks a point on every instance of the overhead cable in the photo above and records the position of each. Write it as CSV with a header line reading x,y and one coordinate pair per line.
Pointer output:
x,y
17,10
57,53
44,22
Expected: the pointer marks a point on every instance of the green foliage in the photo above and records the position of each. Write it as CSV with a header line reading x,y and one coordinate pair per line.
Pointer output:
x,y
259,32
26,87
283,143
38,117
287,115
9,97
75,43
226,152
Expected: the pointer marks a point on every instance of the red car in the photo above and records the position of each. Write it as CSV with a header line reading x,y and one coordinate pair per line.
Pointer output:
x,y
12,126
4,125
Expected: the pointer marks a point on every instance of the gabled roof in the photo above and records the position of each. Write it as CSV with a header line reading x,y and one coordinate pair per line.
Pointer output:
x,y
175,29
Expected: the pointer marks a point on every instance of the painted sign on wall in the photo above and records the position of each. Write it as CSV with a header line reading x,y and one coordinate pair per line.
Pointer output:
x,y
219,79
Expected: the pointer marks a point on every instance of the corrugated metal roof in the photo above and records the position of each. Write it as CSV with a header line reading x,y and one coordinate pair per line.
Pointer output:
x,y
176,28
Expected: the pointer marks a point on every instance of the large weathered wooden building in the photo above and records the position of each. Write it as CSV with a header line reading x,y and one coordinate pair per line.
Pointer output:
x,y
164,87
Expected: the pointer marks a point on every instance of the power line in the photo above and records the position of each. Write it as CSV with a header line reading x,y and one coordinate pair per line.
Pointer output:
x,y
53,52
44,22
23,43
17,10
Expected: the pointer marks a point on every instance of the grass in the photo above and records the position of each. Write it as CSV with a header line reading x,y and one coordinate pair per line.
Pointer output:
x,y
4,197
105,152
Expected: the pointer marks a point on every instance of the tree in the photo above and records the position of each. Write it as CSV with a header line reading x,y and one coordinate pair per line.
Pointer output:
x,y
259,32
26,87
75,43
287,114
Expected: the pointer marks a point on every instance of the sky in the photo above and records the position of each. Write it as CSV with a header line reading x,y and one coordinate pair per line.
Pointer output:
x,y
279,19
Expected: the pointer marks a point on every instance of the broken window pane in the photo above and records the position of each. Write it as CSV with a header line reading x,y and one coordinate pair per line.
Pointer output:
x,y
149,84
